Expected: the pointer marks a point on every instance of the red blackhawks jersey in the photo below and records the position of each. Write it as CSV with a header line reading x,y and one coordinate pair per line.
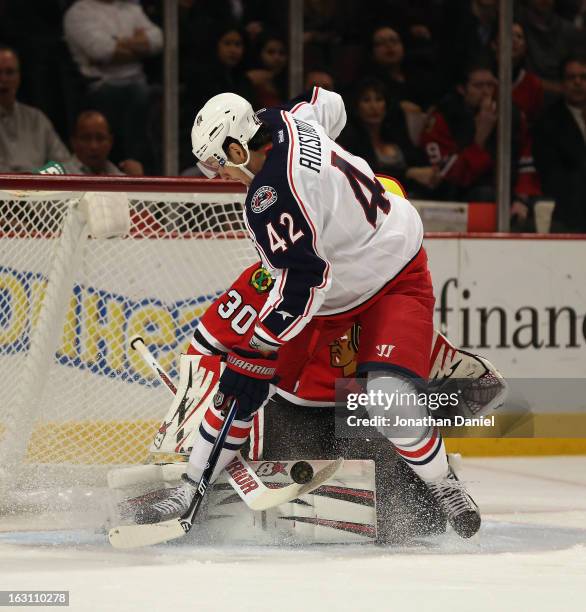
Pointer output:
x,y
449,143
323,225
528,95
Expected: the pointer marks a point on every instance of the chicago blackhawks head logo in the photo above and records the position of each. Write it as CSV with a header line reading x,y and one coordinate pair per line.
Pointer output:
x,y
261,280
343,351
263,197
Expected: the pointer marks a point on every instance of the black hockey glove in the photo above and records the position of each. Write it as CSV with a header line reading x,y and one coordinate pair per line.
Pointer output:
x,y
246,379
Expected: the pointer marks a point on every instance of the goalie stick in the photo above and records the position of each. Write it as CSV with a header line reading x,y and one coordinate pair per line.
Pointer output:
x,y
253,492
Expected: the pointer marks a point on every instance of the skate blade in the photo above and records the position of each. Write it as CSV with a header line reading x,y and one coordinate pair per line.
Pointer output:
x,y
134,536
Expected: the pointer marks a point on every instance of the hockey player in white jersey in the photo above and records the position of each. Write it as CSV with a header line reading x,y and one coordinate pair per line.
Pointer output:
x,y
341,251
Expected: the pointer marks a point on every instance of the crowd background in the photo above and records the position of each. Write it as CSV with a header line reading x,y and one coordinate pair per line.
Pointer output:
x,y
81,83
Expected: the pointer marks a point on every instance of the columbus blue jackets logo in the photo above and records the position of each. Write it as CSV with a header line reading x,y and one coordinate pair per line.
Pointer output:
x,y
263,197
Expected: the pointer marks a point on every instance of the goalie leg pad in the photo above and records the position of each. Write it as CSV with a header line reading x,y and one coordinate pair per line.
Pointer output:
x,y
198,382
481,388
405,506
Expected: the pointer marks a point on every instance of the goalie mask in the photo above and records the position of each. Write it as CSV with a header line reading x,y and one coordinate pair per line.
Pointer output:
x,y
225,115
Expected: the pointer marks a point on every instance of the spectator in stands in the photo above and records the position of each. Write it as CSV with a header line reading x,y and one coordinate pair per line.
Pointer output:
x,y
550,39
197,18
422,46
467,31
319,77
527,86
27,138
91,143
419,22
108,40
560,149
223,72
416,88
253,17
322,29
416,18
34,30
460,139
269,70
378,133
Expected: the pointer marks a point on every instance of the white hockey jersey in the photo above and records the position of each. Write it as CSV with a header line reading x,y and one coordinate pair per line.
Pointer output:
x,y
321,221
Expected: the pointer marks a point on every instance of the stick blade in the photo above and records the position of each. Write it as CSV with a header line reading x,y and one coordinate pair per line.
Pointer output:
x,y
134,536
276,497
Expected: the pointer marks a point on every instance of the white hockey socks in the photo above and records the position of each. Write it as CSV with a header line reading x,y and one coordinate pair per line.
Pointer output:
x,y
204,440
426,456
421,445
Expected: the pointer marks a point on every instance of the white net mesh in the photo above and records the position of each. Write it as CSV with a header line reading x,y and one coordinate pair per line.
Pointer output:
x,y
72,392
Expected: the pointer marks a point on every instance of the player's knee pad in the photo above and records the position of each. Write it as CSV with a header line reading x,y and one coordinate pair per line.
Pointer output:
x,y
401,402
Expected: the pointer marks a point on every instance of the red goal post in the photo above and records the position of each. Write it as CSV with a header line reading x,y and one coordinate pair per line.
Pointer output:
x,y
72,393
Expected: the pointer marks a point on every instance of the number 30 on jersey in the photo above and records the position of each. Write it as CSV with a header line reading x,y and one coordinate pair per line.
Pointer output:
x,y
241,316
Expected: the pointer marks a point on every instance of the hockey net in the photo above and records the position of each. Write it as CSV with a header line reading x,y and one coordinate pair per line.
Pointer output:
x,y
72,392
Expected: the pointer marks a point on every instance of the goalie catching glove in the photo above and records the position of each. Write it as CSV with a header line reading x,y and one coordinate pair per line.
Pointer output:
x,y
246,378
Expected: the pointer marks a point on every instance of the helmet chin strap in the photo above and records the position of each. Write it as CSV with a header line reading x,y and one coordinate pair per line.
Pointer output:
x,y
243,165
247,172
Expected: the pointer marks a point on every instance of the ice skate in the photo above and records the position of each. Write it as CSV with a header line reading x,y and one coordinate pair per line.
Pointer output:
x,y
459,507
172,506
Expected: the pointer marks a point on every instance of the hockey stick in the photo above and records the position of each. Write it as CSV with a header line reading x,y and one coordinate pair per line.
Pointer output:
x,y
132,536
137,344
255,494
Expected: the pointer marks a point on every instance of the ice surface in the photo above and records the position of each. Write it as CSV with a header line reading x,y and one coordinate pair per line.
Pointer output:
x,y
530,555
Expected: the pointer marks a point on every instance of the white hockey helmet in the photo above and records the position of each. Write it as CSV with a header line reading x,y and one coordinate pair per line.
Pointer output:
x,y
225,115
